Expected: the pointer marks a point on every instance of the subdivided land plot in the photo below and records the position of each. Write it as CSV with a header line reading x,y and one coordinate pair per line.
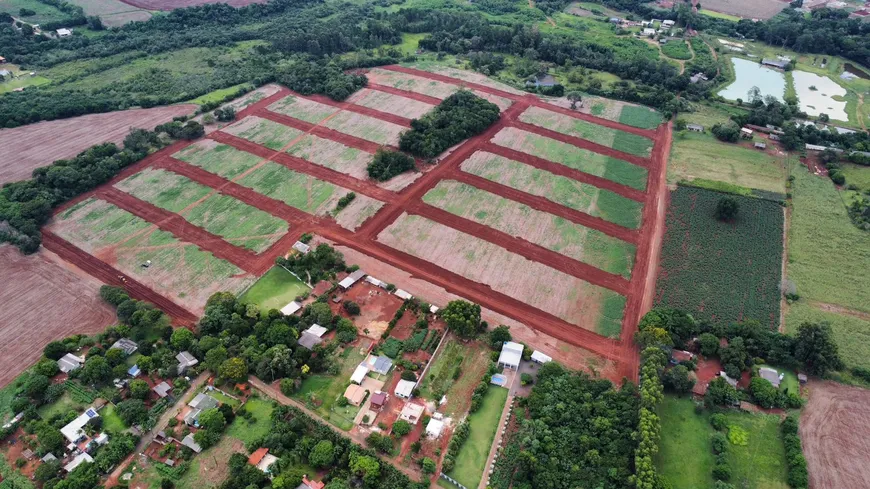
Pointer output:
x,y
569,298
552,232
605,136
303,109
561,190
221,159
178,270
391,104
263,131
365,127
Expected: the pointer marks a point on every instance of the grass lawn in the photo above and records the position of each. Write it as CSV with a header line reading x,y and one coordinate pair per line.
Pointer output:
x,y
261,423
218,95
23,82
471,360
409,42
857,175
62,406
111,421
320,392
223,398
471,460
700,156
686,460
639,116
851,333
677,49
275,289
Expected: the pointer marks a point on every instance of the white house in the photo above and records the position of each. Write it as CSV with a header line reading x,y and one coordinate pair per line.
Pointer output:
x,y
511,355
412,412
404,389
541,358
402,294
64,32
74,431
185,361
291,308
359,374
70,362
649,31
434,428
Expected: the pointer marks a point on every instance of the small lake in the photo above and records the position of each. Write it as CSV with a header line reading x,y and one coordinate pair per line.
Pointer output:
x,y
750,74
820,100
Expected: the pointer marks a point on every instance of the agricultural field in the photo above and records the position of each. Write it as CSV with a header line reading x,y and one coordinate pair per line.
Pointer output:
x,y
721,271
354,215
483,424
164,189
561,190
179,270
639,116
605,136
275,289
333,155
618,171
443,68
569,298
760,464
303,109
551,232
746,9
113,13
701,157
676,49
365,127
220,159
411,83
391,104
263,131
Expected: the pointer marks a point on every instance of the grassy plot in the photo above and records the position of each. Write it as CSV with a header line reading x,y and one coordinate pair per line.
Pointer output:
x,y
567,297
852,333
44,12
721,271
391,104
471,460
411,83
613,169
640,116
354,215
605,136
676,49
61,407
320,392
260,424
303,109
759,465
218,158
857,175
365,127
112,421
275,289
163,188
219,94
469,360
699,156
332,155
93,224
237,222
828,256
297,190
561,190
263,131
551,232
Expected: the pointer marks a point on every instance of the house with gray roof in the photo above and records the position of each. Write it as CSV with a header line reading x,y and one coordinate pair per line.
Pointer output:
x,y
185,361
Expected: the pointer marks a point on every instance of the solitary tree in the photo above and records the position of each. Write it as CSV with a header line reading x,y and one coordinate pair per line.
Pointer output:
x,y
574,97
816,349
727,209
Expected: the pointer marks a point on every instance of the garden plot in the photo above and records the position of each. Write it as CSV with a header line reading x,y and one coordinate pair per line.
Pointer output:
x,y
639,116
605,136
391,104
303,109
178,270
218,158
164,189
603,166
356,213
561,190
574,300
411,83
552,232
365,127
263,131
332,155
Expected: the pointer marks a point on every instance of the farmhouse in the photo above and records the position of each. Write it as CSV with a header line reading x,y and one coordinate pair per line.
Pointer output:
x,y
404,389
412,412
539,357
185,361
64,32
695,127
354,394
435,426
359,374
511,355
129,346
770,375
74,431
189,442
162,389
760,145
291,308
351,279
776,63
70,362
649,31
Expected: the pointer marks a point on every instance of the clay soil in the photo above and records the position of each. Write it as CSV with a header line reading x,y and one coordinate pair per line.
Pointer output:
x,y
25,148
44,299
835,435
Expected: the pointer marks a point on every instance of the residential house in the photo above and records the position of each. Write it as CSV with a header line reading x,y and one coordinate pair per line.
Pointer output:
x,y
380,364
310,484
301,247
64,32
649,31
134,371
698,77
379,399
351,279
668,23
731,382
359,374
70,362
129,346
770,375
404,389
376,282
434,428
185,361
695,127
511,355
403,294
262,459
78,460
189,442
746,133
162,389
74,430
412,412
355,394
541,358
312,336
199,404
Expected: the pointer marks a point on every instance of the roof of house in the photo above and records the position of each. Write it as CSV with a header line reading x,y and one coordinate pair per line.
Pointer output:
x,y
134,371
728,379
352,279
189,442
162,389
359,374
310,484
404,388
403,294
379,398
203,401
78,460
376,282
412,412
64,32
511,353
129,346
695,126
309,340
5,72
73,430
355,394
770,375
258,455
434,427
102,439
649,30
301,247
49,457
291,308
760,145
317,330
380,364
267,462
69,362
540,357
774,62
186,359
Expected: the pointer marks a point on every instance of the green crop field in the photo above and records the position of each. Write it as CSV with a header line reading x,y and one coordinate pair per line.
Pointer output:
x,y
217,158
263,131
851,333
295,189
303,109
857,175
549,231
827,255
471,460
275,289
700,156
605,136
219,94
561,190
96,223
676,49
613,169
237,222
164,189
686,459
640,116
721,271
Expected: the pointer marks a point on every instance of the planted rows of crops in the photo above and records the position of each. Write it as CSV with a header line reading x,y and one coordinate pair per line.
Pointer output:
x,y
721,271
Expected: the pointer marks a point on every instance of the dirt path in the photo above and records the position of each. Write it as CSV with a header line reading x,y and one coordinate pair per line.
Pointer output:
x,y
840,310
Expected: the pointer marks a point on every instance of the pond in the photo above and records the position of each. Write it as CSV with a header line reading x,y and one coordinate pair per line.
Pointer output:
x,y
821,100
750,74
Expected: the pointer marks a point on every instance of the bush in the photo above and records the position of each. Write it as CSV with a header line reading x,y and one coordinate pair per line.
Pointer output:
x,y
351,308
718,422
722,472
387,164
738,436
409,375
401,428
526,379
719,443
344,201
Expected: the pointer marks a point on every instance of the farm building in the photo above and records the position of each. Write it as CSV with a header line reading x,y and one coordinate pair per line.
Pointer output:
x,y
69,362
12,422
678,356
64,32
49,457
695,127
412,412
770,375
760,146
376,282
78,460
541,358
667,23
189,442
511,355
649,31
731,382
162,389
433,309
378,400
380,364
776,63
359,374
262,459
404,389
291,308
129,346
185,361
74,431
312,336
434,428
354,394
402,294
301,247
774,137
746,133
351,279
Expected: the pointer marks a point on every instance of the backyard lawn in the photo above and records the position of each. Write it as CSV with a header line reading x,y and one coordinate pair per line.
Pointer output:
x,y
320,392
275,289
470,360
111,420
62,406
471,460
260,423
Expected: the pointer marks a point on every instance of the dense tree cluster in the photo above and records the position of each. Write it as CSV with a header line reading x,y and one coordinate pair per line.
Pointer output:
x,y
321,263
386,164
463,318
457,118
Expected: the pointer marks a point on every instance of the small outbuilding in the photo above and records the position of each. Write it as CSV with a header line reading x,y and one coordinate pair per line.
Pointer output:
x,y
434,428
78,460
678,356
771,376
291,308
695,127
69,362
162,389
649,31
802,378
731,382
378,400
301,247
359,374
134,371
404,389
541,358
412,412
511,355
190,443
403,294
64,32
746,133
760,145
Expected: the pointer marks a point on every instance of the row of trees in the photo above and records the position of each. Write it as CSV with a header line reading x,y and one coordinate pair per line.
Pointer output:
x,y
457,118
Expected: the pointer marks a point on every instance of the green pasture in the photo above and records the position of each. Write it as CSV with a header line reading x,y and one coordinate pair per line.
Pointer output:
x,y
274,290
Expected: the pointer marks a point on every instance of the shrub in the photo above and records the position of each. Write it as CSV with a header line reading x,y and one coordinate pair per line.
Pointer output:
x,y
722,472
738,436
719,443
526,379
718,422
401,428
344,201
351,307
386,164
409,375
